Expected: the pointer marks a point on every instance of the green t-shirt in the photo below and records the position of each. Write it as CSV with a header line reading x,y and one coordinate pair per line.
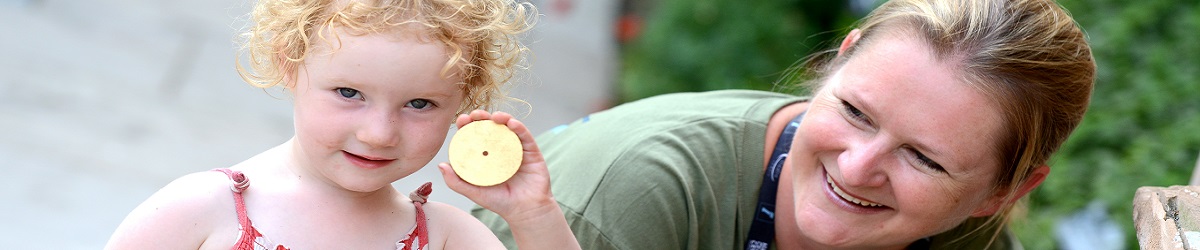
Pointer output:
x,y
676,171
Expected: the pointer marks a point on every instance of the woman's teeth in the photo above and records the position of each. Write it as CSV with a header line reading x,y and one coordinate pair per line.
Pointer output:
x,y
846,196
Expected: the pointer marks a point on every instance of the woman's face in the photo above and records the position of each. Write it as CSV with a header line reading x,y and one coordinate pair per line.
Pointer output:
x,y
895,147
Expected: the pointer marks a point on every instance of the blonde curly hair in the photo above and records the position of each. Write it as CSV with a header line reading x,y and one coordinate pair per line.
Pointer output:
x,y
481,35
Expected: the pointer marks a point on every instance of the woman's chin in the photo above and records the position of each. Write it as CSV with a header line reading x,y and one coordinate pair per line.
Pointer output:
x,y
837,230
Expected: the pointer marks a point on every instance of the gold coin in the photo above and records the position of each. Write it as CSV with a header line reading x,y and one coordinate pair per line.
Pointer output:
x,y
485,153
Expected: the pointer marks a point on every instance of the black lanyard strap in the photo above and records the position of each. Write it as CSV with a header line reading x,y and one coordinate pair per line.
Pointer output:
x,y
762,228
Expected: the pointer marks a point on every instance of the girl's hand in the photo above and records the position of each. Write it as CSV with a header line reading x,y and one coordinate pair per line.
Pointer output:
x,y
525,193
524,200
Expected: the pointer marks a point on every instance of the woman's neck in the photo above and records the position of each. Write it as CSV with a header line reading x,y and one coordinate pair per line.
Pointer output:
x,y
775,126
786,230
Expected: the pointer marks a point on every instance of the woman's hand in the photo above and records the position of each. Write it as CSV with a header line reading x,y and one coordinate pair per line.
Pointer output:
x,y
524,200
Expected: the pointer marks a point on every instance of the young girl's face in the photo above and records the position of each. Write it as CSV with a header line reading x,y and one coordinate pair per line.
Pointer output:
x,y
372,109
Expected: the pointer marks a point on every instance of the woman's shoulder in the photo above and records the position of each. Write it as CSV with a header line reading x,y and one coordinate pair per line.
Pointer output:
x,y
710,113
725,93
718,101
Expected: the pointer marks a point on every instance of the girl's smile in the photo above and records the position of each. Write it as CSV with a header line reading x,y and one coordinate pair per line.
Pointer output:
x,y
366,162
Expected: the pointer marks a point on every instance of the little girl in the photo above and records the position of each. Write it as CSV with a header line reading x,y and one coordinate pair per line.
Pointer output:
x,y
375,86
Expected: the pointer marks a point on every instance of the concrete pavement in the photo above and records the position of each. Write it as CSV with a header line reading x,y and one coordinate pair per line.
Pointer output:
x,y
103,102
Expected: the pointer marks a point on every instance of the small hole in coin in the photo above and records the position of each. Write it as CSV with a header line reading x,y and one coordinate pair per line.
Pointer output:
x,y
484,153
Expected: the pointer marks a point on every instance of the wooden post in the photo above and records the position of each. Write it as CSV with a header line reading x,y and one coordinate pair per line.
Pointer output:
x,y
1196,173
1167,217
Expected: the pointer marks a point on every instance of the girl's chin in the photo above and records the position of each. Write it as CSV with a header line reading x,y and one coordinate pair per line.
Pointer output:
x,y
363,185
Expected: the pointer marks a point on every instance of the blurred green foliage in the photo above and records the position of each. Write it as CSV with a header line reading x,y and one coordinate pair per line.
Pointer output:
x,y
1142,128
697,45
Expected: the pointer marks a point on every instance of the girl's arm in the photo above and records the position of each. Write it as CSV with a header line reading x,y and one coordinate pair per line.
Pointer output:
x,y
524,200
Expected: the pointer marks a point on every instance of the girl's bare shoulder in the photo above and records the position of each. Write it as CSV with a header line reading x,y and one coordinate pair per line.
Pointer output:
x,y
457,229
184,213
195,192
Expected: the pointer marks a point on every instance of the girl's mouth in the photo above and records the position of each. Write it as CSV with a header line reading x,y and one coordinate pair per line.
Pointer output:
x,y
366,162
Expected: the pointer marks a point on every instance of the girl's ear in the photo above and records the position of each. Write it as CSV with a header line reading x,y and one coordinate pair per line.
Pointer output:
x,y
1037,175
849,41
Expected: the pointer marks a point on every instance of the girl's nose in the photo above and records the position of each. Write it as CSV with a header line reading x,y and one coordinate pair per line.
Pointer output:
x,y
380,131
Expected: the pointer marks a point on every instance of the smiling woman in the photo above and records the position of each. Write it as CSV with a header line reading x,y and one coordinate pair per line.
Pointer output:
x,y
901,170
928,123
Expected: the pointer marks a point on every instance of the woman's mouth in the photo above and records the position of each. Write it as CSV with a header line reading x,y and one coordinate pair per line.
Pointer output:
x,y
842,194
366,162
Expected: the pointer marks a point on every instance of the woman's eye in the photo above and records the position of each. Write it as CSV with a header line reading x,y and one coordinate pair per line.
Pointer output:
x,y
419,104
926,162
349,93
854,112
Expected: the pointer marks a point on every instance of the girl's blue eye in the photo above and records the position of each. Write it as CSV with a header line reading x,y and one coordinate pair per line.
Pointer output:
x,y
420,103
349,93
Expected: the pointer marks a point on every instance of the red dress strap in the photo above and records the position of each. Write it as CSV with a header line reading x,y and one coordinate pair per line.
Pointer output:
x,y
240,183
421,232
418,237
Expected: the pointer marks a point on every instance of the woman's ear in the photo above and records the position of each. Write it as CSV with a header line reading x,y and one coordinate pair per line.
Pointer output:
x,y
849,41
992,205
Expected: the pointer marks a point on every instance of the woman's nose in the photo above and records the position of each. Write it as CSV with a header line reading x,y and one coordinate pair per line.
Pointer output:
x,y
380,130
863,164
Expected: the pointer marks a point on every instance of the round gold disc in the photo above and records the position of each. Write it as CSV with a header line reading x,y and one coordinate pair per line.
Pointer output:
x,y
485,153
